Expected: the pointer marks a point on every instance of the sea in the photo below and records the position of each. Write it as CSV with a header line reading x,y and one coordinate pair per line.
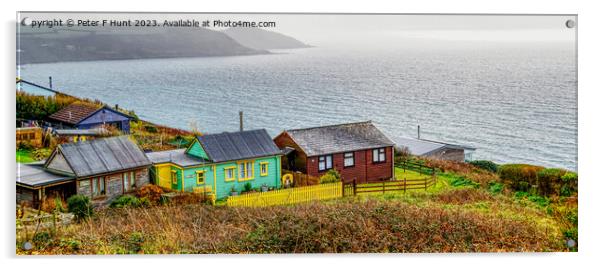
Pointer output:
x,y
514,103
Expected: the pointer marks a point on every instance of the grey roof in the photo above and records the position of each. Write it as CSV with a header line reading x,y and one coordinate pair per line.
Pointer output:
x,y
339,138
35,176
91,132
238,145
176,156
423,147
103,155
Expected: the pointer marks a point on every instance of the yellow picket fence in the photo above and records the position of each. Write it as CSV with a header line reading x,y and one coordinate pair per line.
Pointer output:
x,y
288,196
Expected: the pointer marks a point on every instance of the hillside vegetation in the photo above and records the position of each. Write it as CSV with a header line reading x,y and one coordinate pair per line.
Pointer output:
x,y
455,215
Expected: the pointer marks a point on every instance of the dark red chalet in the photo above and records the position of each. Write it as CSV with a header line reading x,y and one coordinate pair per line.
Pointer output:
x,y
356,150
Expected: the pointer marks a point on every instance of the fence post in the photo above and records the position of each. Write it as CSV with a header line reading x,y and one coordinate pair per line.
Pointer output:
x,y
342,187
404,185
354,187
383,186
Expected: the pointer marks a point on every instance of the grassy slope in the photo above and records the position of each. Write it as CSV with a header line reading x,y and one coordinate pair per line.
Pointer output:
x,y
444,218
24,156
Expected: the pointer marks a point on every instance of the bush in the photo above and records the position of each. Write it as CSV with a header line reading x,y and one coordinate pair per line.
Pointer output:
x,y
520,177
126,201
25,145
150,192
485,165
496,188
331,176
462,181
569,184
549,181
42,240
247,187
80,206
41,153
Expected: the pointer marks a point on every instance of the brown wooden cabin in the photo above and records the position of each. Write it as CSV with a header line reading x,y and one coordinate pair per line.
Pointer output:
x,y
357,151
102,169
31,135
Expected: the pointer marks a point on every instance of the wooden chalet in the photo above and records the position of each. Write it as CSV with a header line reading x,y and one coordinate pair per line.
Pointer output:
x,y
357,151
101,169
87,116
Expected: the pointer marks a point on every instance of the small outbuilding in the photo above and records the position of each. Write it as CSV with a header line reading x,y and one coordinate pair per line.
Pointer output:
x,y
80,115
357,151
102,169
29,135
436,149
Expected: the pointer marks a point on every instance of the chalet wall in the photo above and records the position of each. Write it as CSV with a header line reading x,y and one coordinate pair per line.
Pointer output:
x,y
26,196
364,169
113,185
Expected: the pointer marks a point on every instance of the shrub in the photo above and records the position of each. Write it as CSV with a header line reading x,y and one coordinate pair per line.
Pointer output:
x,y
496,188
151,129
462,181
569,184
485,165
135,242
247,187
41,153
549,181
126,201
519,176
331,176
150,192
24,145
80,206
42,240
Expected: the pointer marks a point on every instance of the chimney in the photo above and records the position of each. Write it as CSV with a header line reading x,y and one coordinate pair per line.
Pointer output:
x,y
240,120
69,114
418,131
116,107
50,82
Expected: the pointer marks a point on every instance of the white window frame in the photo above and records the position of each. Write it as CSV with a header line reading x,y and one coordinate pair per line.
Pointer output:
x,y
346,157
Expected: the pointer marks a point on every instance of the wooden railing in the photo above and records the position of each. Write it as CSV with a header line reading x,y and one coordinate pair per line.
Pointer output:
x,y
288,196
353,188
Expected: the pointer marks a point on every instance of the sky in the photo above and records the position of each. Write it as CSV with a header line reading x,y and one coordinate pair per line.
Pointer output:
x,y
320,29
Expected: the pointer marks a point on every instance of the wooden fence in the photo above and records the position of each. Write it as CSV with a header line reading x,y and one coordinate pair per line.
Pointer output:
x,y
288,196
353,188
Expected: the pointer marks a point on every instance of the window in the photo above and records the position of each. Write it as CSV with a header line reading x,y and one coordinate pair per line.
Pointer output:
x,y
263,168
32,136
129,181
349,159
98,186
200,177
378,155
229,174
174,177
325,163
245,170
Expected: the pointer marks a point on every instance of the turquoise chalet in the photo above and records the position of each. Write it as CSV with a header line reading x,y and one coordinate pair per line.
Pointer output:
x,y
220,164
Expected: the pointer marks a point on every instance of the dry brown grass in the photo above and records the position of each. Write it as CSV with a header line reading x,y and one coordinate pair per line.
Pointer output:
x,y
344,226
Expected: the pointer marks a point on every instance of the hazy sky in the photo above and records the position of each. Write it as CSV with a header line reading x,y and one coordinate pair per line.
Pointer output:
x,y
335,29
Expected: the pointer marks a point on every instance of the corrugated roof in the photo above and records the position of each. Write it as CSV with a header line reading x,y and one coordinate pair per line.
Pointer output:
x,y
35,176
423,147
74,113
339,138
238,145
103,156
176,156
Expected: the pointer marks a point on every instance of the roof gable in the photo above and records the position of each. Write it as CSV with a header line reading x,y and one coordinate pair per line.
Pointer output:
x,y
78,112
74,113
195,149
104,155
58,163
238,145
34,89
339,138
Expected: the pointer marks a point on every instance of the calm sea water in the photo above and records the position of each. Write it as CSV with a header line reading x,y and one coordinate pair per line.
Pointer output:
x,y
514,104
